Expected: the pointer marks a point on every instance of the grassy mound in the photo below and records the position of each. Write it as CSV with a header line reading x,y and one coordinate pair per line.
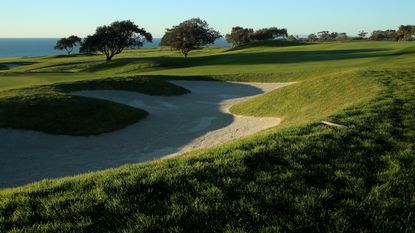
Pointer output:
x,y
311,99
312,178
52,109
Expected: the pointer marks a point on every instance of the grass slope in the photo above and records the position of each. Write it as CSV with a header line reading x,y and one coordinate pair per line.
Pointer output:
x,y
315,98
302,177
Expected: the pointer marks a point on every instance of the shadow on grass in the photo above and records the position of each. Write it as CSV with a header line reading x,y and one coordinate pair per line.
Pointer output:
x,y
280,57
269,43
127,65
76,55
10,65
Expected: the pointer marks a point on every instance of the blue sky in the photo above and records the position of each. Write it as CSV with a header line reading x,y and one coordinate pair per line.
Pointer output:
x,y
58,18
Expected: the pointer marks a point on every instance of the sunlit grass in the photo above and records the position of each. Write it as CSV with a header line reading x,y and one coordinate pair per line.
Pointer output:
x,y
300,177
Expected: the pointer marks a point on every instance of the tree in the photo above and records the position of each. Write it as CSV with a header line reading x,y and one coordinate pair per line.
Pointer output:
x,y
362,35
88,45
239,36
67,43
293,38
312,37
113,39
342,36
188,35
324,35
406,32
269,33
384,35
333,36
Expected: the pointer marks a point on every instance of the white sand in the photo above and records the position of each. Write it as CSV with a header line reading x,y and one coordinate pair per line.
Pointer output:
x,y
176,124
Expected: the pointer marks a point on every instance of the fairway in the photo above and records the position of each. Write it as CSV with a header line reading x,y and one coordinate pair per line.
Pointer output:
x,y
284,163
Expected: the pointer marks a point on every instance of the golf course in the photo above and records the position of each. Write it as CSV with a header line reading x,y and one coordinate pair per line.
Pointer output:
x,y
290,174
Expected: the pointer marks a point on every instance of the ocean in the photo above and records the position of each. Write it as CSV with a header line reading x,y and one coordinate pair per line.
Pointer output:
x,y
35,47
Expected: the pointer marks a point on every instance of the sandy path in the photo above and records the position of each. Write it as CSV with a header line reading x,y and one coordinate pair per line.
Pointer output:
x,y
175,124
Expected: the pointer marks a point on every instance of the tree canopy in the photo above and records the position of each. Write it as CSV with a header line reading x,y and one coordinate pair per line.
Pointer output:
x,y
113,39
406,32
384,35
362,35
239,36
269,33
68,44
190,34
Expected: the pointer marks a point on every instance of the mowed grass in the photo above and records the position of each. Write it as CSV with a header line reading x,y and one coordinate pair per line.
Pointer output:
x,y
300,177
312,178
52,109
315,98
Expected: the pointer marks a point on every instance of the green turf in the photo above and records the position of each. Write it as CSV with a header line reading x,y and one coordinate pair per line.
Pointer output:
x,y
52,109
311,99
300,177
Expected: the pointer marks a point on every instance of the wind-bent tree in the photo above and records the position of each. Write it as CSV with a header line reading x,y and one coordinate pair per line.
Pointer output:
x,y
68,43
239,36
362,35
188,35
113,39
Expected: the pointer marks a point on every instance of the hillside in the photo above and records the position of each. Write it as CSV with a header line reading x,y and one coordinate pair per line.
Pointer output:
x,y
301,176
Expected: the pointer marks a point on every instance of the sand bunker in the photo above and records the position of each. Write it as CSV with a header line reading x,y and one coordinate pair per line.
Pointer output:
x,y
11,65
176,124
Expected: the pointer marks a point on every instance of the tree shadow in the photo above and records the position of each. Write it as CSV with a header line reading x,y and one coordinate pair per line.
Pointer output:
x,y
11,65
246,58
269,43
140,64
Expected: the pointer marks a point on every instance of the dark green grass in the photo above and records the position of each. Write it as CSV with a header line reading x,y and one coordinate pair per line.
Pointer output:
x,y
148,85
252,58
310,178
269,43
52,109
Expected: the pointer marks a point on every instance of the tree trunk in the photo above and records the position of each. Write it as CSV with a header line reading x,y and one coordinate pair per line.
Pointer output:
x,y
110,56
68,51
185,52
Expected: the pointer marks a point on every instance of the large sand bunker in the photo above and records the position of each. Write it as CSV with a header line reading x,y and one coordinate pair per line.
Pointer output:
x,y
175,124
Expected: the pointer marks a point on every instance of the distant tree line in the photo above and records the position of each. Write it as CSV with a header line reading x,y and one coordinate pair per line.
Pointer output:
x,y
327,36
195,33
240,36
120,35
404,33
